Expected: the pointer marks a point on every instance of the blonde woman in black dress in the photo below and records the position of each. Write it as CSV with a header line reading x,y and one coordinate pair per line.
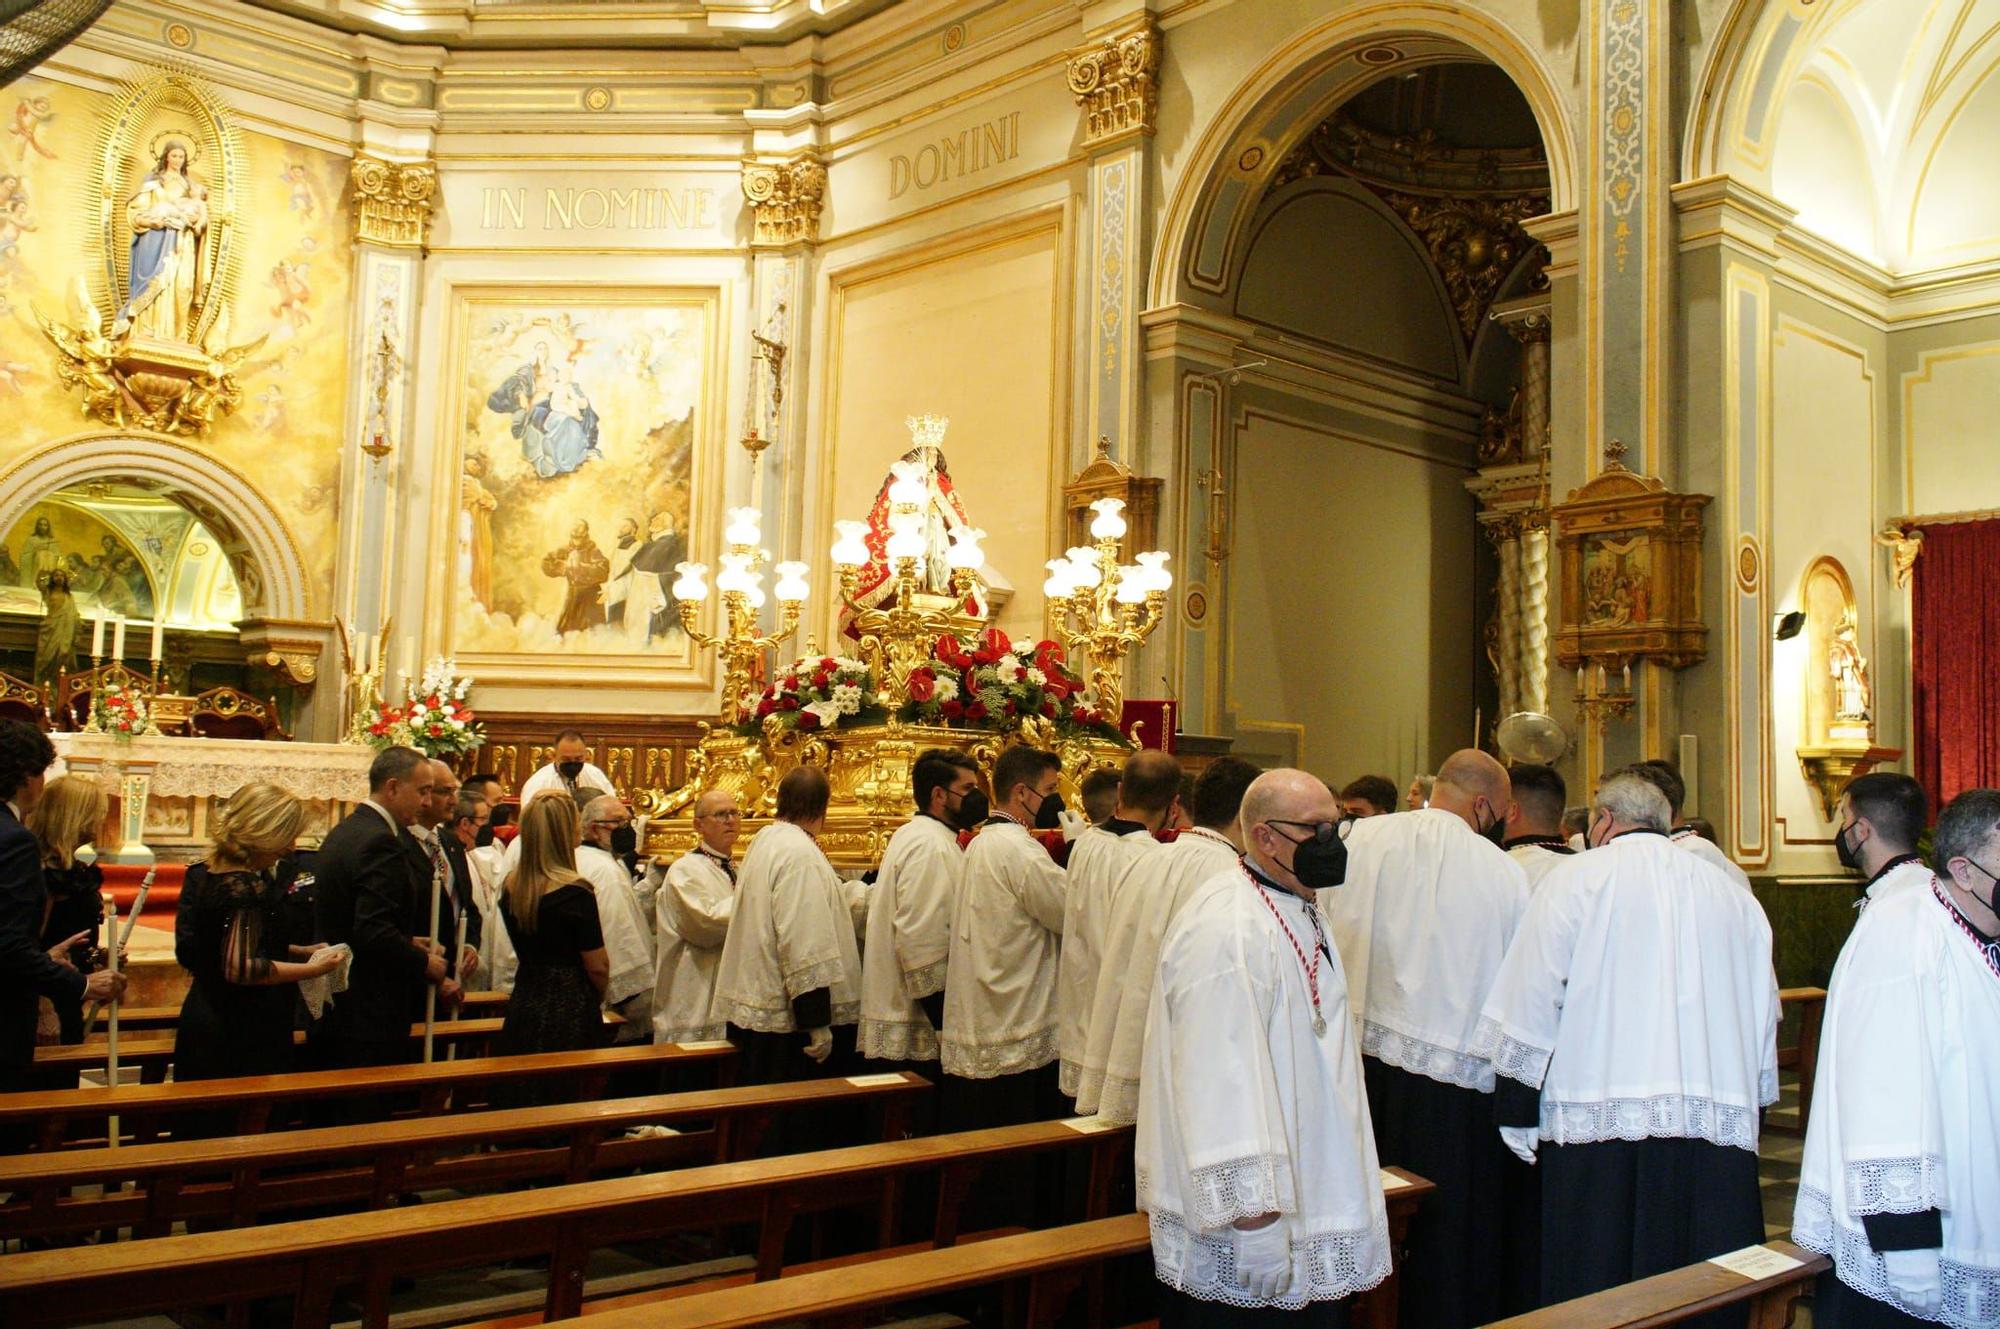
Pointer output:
x,y
238,1016
63,820
551,917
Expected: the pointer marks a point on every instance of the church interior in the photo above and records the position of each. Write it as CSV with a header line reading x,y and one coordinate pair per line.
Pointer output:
x,y
707,391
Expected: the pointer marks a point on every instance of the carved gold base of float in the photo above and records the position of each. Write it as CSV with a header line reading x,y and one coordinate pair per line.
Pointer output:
x,y
868,767
1842,760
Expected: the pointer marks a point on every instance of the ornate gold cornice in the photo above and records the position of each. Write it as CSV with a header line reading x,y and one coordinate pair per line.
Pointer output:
x,y
786,198
393,202
1117,83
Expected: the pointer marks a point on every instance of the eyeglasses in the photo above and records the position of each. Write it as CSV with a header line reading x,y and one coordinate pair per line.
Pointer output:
x,y
727,814
1322,831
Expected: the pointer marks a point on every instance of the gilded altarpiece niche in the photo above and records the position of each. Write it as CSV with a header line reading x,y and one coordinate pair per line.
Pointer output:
x,y
92,184
584,420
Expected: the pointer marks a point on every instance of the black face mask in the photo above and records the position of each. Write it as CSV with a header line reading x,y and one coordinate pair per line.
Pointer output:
x,y
569,770
1496,831
1048,817
482,837
1849,858
1319,864
1992,900
972,810
625,841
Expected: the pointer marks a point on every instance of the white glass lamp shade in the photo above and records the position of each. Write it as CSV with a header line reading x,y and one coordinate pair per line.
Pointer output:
x,y
735,574
850,544
1058,585
692,583
907,489
756,594
1154,565
1109,523
1133,583
905,543
792,586
746,527
965,554
1083,571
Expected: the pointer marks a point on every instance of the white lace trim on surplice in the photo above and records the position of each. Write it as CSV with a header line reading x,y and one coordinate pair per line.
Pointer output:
x,y
895,1040
1113,1098
1326,1266
985,1061
1971,1293
1509,1056
1665,1116
1446,1065
921,983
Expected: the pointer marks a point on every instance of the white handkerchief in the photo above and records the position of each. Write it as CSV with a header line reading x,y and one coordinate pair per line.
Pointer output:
x,y
318,991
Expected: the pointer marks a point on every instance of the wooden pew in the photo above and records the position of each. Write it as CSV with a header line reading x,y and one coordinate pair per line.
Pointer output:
x,y
1682,1294
312,1259
58,1114
152,1019
154,1053
242,1178
1403,1192
1811,1003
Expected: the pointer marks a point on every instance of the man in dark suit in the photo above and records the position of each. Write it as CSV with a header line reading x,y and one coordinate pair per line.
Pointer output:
x,y
374,894
460,835
433,834
27,973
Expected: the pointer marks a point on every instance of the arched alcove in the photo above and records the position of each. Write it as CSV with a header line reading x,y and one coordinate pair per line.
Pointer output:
x,y
262,554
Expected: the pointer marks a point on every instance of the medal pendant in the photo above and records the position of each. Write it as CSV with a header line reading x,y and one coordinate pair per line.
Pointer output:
x,y
1319,1024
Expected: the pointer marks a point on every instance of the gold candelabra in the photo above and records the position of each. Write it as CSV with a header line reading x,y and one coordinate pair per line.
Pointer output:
x,y
1102,608
741,581
897,634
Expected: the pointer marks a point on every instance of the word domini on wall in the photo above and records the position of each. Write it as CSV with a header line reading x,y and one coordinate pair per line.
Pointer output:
x,y
965,153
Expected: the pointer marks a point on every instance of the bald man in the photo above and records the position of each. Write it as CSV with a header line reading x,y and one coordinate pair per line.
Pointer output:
x,y
628,932
1430,905
1257,1171
1148,791
692,912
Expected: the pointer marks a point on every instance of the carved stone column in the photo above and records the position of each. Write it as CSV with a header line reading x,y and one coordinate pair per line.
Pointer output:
x,y
1116,82
1514,498
392,207
787,196
1503,530
1527,322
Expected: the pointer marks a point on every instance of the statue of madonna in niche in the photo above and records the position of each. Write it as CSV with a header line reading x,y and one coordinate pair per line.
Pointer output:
x,y
169,220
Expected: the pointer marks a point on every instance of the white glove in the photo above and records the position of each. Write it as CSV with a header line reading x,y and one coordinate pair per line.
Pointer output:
x,y
1522,1140
1264,1260
1914,1278
819,1044
1073,824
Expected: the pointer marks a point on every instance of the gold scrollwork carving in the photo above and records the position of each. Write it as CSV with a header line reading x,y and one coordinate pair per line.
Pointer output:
x,y
786,199
1117,83
393,202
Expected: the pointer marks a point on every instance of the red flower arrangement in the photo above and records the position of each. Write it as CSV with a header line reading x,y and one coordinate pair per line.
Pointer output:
x,y
989,682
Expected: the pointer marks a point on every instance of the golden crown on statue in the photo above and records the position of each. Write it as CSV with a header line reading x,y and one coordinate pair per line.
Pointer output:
x,y
927,431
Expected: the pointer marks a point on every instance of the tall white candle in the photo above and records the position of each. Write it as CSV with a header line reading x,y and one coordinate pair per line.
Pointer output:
x,y
409,664
159,637
118,639
97,638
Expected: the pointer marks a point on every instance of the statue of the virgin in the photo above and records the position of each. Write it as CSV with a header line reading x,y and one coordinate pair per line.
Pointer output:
x,y
169,221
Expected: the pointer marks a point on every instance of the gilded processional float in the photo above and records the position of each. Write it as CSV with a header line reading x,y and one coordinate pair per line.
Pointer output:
x,y
918,664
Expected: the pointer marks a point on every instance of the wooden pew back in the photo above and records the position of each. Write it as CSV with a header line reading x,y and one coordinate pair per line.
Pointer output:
x,y
1682,1294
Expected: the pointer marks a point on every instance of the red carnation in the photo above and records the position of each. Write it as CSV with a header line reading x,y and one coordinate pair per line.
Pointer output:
x,y
1009,708
922,685
1049,709
821,679
976,711
788,703
807,720
826,662
952,709
765,707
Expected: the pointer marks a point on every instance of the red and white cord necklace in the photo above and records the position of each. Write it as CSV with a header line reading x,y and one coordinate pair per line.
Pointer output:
x,y
1988,951
1310,966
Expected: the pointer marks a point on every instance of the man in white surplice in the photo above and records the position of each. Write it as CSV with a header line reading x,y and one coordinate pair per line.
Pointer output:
x,y
1144,903
790,964
1535,836
692,911
1147,790
628,936
569,770
1899,1183
1666,777
1634,1023
910,910
1422,924
999,1036
1255,1161
1881,815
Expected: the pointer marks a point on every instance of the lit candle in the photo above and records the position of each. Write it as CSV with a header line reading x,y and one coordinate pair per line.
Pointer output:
x,y
118,639
409,659
159,637
97,638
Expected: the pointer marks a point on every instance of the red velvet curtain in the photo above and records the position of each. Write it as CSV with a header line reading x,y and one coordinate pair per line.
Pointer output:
x,y
1956,659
